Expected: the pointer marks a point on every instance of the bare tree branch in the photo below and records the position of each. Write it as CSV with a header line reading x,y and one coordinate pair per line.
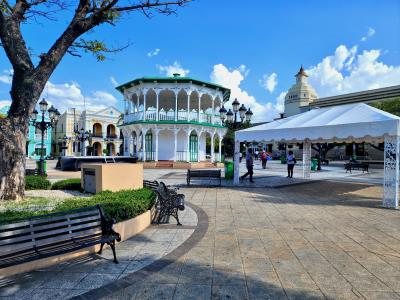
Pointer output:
x,y
14,44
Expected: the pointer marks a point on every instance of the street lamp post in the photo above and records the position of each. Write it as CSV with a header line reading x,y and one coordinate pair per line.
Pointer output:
x,y
64,141
43,126
231,114
83,136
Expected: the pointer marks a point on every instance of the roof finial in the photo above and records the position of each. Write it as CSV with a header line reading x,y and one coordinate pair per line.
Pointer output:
x,y
301,72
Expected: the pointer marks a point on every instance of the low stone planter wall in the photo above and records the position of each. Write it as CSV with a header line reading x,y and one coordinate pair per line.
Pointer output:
x,y
126,229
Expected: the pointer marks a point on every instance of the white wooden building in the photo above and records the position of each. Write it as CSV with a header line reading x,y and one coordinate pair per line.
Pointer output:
x,y
170,119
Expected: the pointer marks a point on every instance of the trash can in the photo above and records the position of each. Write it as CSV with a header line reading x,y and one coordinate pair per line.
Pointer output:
x,y
44,166
228,169
314,164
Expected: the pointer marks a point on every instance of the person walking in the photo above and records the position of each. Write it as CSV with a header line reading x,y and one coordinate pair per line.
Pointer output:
x,y
291,161
264,159
249,165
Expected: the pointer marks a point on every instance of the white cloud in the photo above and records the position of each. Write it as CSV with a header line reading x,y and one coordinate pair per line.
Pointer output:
x,y
280,102
370,33
347,71
113,81
232,80
6,77
68,95
269,82
153,52
171,69
244,70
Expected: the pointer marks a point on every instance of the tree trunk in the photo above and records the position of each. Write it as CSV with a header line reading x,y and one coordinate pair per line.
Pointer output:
x,y
12,159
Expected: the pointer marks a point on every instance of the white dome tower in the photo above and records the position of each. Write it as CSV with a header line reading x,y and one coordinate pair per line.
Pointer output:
x,y
300,95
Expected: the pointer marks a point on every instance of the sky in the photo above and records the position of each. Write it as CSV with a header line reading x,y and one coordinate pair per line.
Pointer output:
x,y
253,49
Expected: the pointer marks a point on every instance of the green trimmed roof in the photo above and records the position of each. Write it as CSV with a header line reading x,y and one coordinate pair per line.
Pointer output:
x,y
226,92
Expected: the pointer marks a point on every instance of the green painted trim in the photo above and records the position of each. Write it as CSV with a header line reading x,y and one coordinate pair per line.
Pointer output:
x,y
173,122
226,92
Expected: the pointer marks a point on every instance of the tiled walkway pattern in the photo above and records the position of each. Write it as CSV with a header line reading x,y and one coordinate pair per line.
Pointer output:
x,y
318,241
79,276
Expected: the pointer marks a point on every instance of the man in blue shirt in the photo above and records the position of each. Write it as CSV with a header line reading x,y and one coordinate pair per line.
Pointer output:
x,y
249,165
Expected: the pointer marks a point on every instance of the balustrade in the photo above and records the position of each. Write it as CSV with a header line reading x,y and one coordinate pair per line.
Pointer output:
x,y
151,115
181,155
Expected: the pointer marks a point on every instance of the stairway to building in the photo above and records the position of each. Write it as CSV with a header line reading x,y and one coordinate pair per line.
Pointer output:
x,y
164,164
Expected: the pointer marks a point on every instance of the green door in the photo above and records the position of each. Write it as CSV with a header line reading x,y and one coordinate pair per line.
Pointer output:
x,y
193,147
149,146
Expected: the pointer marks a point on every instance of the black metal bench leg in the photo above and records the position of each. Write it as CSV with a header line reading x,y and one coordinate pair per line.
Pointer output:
x,y
101,248
175,215
112,245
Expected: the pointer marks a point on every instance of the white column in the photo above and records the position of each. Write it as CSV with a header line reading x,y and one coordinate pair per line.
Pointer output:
x,y
212,148
236,162
220,147
126,143
198,113
198,146
188,146
156,132
144,145
175,142
212,115
306,159
391,173
157,115
188,106
144,105
176,106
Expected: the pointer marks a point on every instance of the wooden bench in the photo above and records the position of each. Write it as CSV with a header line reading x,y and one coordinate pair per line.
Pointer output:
x,y
169,202
30,172
54,234
364,166
153,185
203,174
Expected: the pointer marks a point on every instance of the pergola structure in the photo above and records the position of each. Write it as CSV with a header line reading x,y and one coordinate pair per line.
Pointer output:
x,y
345,123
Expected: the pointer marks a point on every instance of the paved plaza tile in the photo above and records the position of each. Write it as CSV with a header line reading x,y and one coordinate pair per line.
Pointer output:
x,y
297,242
321,240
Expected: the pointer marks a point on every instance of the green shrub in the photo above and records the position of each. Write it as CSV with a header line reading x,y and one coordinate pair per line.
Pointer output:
x,y
120,205
73,184
33,182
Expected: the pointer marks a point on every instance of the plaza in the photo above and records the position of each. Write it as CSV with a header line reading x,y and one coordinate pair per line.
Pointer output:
x,y
289,240
205,151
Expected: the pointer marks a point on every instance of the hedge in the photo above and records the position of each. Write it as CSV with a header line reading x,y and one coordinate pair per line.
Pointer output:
x,y
120,205
33,182
73,184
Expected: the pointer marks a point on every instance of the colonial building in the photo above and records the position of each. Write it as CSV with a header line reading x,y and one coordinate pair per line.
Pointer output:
x,y
34,139
102,124
300,95
172,118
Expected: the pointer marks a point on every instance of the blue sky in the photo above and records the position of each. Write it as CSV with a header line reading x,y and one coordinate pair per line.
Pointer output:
x,y
253,49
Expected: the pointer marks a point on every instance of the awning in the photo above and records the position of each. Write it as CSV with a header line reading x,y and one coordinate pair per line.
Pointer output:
x,y
344,123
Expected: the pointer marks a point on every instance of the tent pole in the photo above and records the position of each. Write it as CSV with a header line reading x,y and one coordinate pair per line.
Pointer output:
x,y
391,173
236,162
306,159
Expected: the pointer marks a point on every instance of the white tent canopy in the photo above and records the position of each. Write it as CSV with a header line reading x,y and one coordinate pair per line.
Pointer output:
x,y
338,123
345,123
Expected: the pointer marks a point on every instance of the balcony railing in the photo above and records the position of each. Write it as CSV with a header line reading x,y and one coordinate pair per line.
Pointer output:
x,y
112,136
181,155
150,155
97,135
163,115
